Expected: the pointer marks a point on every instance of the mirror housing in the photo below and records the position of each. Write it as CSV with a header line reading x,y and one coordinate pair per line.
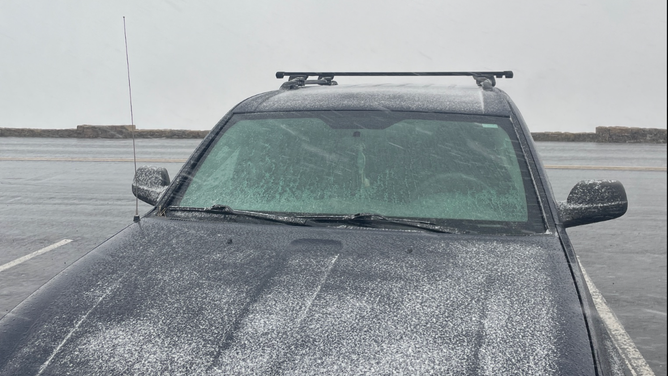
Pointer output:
x,y
593,201
150,183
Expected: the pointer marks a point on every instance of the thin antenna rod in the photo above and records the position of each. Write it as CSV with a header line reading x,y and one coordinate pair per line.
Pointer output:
x,y
132,117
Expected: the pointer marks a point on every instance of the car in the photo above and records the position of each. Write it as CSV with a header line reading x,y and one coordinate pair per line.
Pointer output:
x,y
337,229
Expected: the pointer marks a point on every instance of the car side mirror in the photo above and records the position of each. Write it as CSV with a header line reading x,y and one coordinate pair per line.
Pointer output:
x,y
149,183
593,201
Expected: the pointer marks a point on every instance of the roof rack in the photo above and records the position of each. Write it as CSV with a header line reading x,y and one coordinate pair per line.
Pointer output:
x,y
299,79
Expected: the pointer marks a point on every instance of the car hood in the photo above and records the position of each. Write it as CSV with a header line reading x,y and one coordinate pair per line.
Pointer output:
x,y
188,297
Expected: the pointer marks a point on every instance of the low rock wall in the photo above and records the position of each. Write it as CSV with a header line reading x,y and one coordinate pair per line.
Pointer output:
x,y
564,137
628,134
602,134
101,131
607,134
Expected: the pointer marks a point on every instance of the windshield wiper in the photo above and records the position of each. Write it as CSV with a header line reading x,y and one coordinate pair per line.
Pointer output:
x,y
226,210
375,220
359,219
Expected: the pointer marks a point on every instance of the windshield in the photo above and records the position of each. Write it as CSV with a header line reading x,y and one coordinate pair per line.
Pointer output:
x,y
395,164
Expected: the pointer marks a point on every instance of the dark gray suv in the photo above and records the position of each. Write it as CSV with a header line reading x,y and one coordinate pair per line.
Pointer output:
x,y
326,229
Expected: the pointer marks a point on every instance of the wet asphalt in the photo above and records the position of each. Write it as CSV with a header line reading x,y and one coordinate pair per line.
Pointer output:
x,y
51,190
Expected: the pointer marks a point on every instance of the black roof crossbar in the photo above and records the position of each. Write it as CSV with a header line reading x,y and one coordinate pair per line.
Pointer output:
x,y
297,79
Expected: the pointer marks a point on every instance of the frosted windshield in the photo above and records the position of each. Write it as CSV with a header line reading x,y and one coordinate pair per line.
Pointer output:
x,y
392,164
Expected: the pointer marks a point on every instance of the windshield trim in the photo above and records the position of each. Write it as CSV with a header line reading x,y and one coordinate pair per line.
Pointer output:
x,y
507,123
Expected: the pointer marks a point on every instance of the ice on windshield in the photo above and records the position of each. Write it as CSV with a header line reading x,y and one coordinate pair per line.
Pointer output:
x,y
403,165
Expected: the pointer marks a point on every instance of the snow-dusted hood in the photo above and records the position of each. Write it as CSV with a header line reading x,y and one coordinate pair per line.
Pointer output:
x,y
188,298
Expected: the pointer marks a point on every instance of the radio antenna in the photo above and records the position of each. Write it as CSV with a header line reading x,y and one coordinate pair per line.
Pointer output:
x,y
132,118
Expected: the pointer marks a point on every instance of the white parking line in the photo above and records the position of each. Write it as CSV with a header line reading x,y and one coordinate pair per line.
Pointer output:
x,y
36,253
655,312
620,337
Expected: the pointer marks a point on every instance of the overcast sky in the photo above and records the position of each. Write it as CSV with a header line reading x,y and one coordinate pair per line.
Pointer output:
x,y
577,64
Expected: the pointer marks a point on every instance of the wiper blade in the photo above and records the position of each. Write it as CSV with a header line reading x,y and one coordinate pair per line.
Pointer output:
x,y
375,219
224,209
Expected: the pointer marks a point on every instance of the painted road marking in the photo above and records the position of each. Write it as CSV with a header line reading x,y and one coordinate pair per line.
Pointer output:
x,y
620,337
655,312
169,160
36,253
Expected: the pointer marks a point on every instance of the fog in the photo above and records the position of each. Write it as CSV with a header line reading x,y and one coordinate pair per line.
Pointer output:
x,y
577,64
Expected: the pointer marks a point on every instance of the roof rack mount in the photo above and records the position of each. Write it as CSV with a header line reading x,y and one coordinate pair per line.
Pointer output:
x,y
497,74
325,78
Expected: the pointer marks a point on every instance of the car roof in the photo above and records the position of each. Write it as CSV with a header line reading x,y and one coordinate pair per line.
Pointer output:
x,y
432,98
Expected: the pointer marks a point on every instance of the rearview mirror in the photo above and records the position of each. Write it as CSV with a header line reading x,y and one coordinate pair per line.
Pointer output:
x,y
593,201
149,183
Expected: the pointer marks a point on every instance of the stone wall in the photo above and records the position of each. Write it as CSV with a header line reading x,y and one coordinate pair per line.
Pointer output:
x,y
564,137
602,134
627,134
607,135
30,132
102,131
